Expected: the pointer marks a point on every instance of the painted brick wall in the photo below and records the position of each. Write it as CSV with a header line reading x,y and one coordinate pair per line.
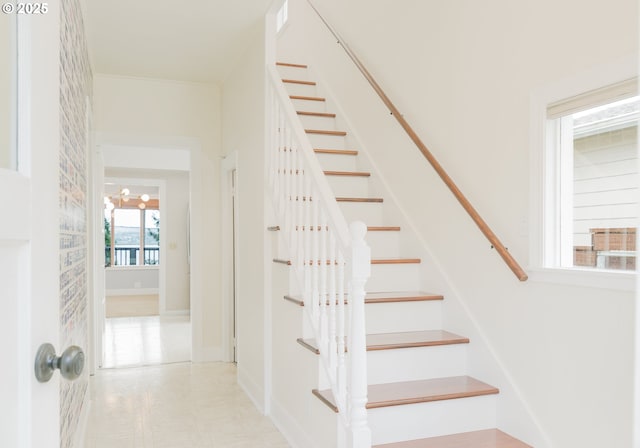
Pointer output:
x,y
75,96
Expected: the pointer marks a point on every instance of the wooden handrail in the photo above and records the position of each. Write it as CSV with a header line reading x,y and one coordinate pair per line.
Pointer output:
x,y
473,213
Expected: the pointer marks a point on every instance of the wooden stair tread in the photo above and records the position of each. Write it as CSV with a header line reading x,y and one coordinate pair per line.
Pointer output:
x,y
385,297
348,173
289,64
373,261
419,391
344,152
383,228
401,296
299,81
396,260
316,114
326,132
406,339
308,98
359,199
487,438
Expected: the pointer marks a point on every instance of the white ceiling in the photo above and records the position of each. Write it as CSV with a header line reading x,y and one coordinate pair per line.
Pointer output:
x,y
185,40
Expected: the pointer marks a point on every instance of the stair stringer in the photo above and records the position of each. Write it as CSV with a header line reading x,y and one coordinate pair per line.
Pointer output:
x,y
514,414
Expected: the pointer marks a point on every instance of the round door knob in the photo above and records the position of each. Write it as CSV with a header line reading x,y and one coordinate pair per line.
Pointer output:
x,y
70,363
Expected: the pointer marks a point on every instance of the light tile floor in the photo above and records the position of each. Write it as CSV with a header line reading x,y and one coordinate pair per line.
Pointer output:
x,y
175,406
139,341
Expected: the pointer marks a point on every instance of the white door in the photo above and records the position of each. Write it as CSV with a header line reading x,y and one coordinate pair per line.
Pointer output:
x,y
29,239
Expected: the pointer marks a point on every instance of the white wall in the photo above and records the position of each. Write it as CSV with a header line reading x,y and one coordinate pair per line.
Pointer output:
x,y
243,131
177,115
462,74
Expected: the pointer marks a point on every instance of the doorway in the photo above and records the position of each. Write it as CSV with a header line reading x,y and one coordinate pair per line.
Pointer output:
x,y
147,275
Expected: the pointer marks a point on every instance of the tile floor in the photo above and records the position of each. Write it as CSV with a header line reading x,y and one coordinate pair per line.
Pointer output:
x,y
139,341
180,405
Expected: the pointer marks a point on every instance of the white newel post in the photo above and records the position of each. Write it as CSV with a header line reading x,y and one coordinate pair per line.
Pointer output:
x,y
360,272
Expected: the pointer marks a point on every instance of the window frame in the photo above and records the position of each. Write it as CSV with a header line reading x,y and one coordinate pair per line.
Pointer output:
x,y
545,179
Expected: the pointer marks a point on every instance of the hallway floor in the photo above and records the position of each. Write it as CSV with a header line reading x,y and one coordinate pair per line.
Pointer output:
x,y
175,406
140,341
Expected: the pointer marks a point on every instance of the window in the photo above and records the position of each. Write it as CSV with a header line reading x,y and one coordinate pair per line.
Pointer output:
x,y
591,185
132,229
282,15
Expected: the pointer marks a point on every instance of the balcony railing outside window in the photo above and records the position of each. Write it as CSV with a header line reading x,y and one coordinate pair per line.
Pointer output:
x,y
129,256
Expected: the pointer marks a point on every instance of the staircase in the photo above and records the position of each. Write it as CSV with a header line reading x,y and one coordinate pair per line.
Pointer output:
x,y
419,395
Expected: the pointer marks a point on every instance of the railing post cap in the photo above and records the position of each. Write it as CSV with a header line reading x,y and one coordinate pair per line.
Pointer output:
x,y
358,230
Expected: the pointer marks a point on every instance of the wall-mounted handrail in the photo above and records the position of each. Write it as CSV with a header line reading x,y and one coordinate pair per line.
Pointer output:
x,y
473,213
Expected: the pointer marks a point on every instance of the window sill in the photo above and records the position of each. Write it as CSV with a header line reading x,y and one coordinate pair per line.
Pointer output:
x,y
589,278
132,267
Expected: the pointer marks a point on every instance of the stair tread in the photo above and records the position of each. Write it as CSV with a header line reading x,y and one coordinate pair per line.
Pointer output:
x,y
289,64
345,199
405,339
326,132
304,97
385,297
347,173
343,152
383,228
396,260
299,81
418,391
487,438
316,114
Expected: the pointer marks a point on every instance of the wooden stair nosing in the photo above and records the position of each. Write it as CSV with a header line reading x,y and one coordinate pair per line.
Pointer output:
x,y
316,114
348,173
486,438
385,297
396,261
326,132
342,152
371,200
307,98
399,340
383,228
373,261
273,228
299,81
289,64
418,391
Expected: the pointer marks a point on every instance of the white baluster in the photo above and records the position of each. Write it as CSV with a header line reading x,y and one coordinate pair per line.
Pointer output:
x,y
321,230
332,297
340,327
360,272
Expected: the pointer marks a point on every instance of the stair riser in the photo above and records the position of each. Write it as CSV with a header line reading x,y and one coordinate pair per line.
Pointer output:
x,y
369,213
349,186
415,421
293,73
327,141
406,316
337,162
314,122
311,106
418,363
384,244
300,89
394,277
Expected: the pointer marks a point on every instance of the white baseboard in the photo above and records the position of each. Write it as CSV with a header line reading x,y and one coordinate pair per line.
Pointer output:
x,y
289,427
206,354
251,388
132,292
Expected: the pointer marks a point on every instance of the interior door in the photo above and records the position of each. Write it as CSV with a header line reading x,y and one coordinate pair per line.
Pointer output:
x,y
29,238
